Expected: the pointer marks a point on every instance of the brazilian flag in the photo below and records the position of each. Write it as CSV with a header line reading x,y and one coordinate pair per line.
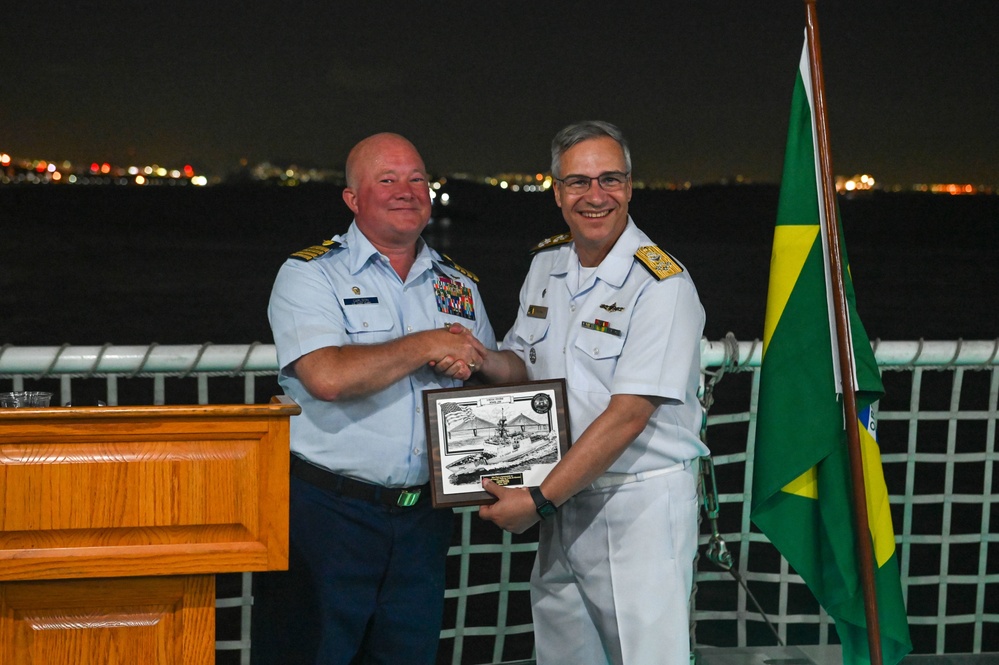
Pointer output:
x,y
802,498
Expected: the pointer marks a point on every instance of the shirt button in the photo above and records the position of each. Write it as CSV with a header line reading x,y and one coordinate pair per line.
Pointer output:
x,y
531,338
596,351
409,328
416,451
572,308
418,409
365,324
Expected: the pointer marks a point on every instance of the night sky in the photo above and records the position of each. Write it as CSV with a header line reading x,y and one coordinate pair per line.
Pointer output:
x,y
701,88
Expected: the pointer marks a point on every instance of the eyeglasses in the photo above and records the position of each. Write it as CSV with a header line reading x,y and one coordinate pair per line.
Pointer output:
x,y
611,181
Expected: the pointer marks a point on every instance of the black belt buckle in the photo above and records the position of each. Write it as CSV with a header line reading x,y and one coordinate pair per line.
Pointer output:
x,y
408,498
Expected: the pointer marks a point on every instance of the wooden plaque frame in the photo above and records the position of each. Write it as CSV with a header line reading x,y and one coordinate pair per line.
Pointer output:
x,y
512,433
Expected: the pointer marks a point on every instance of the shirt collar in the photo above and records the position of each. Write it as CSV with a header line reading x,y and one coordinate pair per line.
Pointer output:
x,y
362,251
616,265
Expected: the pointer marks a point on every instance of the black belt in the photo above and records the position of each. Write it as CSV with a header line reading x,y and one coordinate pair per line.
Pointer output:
x,y
393,497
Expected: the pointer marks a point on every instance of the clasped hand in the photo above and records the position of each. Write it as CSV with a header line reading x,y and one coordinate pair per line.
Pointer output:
x,y
463,354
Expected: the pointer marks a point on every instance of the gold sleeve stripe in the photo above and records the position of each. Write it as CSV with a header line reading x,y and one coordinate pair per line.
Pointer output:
x,y
315,251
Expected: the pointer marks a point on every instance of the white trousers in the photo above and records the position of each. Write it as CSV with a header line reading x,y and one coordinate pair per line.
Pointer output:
x,y
613,575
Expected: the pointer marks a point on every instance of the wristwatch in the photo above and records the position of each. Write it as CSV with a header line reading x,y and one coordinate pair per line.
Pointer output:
x,y
544,507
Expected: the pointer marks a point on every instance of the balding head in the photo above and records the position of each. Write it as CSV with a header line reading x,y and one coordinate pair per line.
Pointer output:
x,y
387,190
367,150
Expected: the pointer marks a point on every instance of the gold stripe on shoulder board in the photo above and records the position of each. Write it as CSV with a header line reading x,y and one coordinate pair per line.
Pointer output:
x,y
658,262
315,251
554,241
448,261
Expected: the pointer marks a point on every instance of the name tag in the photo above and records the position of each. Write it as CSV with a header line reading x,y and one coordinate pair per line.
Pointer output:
x,y
537,312
360,301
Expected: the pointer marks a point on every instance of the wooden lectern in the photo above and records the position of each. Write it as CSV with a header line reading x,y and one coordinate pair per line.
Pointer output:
x,y
115,520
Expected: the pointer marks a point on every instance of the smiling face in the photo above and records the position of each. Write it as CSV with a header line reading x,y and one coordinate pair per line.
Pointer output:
x,y
387,190
596,217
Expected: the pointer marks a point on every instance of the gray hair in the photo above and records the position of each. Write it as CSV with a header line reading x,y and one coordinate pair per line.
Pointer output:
x,y
578,132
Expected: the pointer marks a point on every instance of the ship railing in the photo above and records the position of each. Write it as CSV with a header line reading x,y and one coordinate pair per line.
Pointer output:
x,y
937,433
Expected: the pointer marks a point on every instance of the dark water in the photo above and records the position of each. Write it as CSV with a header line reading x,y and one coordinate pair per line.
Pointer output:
x,y
184,265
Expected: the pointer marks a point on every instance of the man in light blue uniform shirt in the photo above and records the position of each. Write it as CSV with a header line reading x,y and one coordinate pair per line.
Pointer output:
x,y
620,320
359,323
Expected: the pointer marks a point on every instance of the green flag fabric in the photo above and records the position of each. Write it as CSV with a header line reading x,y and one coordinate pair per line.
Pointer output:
x,y
802,498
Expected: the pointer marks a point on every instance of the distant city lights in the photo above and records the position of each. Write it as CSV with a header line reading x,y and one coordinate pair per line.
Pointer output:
x,y
854,184
43,171
952,189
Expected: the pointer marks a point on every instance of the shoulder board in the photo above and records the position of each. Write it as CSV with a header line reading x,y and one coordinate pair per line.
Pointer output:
x,y
658,262
554,241
449,262
315,251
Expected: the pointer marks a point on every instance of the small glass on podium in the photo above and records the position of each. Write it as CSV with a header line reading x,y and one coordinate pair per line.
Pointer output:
x,y
25,398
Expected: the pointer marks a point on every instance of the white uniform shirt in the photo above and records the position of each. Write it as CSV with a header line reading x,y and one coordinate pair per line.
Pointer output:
x,y
616,330
352,295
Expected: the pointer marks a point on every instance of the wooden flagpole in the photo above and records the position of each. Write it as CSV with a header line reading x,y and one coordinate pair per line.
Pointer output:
x,y
846,361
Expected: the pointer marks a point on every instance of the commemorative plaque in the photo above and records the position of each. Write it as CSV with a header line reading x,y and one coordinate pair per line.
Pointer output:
x,y
513,434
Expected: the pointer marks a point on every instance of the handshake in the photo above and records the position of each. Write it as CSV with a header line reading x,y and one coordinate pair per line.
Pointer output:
x,y
461,354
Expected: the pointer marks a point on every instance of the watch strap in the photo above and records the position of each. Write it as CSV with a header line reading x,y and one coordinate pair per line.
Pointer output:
x,y
544,507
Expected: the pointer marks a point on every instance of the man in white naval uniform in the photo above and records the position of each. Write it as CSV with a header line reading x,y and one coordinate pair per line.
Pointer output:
x,y
621,321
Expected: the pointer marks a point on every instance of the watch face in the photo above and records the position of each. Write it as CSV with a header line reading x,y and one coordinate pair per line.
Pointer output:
x,y
544,507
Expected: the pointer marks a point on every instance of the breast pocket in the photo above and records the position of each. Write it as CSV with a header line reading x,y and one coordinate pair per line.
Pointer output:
x,y
532,331
542,357
596,355
368,324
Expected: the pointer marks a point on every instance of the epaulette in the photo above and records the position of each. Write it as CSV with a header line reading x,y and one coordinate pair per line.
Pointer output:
x,y
315,251
449,262
658,262
554,241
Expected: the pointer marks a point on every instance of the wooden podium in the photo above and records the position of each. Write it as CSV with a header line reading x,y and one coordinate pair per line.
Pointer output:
x,y
115,520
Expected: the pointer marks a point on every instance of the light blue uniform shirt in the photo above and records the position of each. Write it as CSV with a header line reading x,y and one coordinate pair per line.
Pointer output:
x,y
352,295
650,344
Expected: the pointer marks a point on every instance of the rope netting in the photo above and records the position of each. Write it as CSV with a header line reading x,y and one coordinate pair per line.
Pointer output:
x,y
937,433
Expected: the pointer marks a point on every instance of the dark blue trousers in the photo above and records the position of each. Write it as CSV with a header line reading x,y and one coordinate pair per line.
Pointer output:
x,y
365,584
